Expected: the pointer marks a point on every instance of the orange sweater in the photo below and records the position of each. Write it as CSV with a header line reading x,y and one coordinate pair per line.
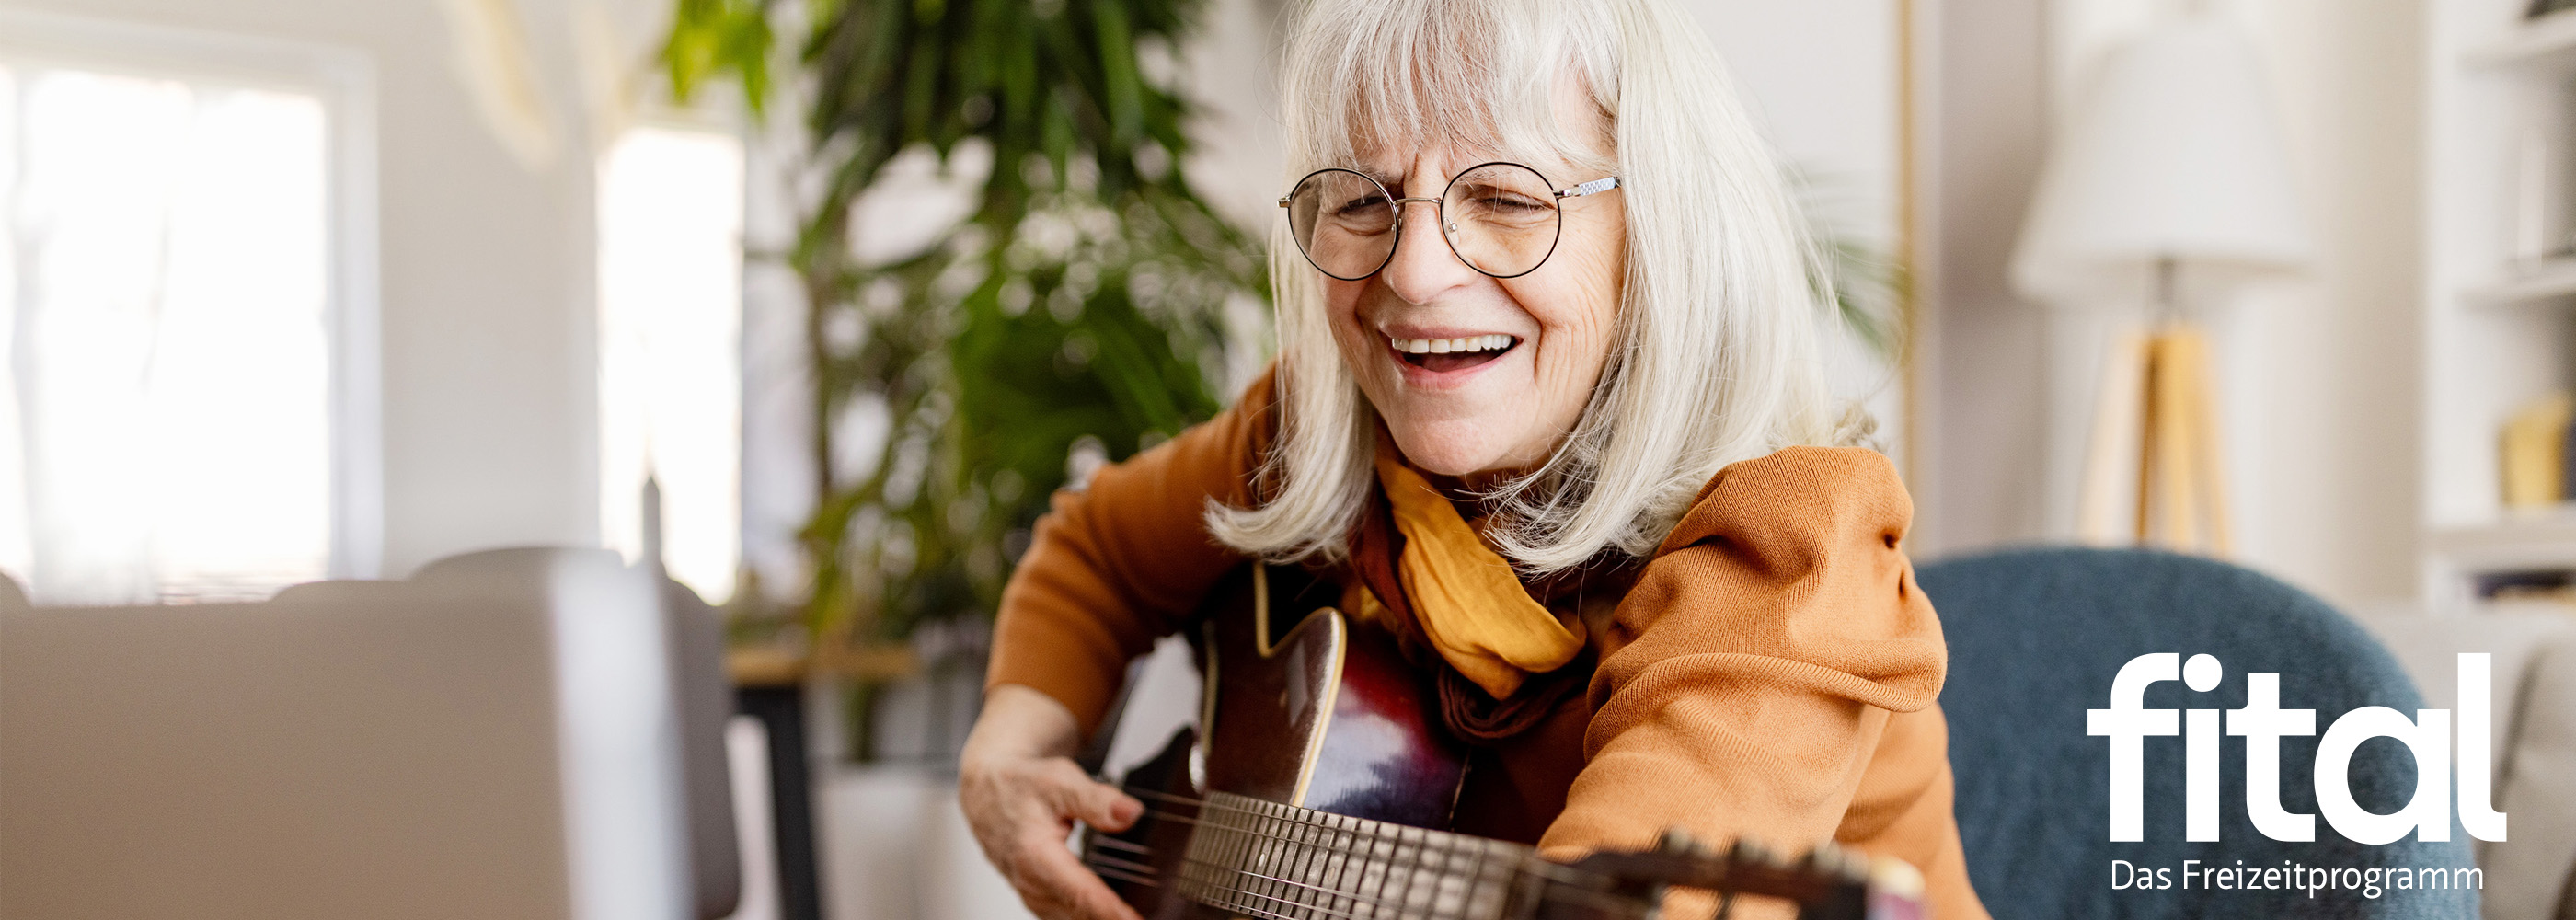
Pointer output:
x,y
1771,673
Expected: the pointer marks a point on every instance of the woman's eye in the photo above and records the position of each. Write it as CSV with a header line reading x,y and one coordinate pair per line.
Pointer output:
x,y
1508,203
1360,205
1501,200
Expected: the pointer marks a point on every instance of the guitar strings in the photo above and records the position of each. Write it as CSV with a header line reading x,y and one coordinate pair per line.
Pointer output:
x,y
1379,906
1424,846
1556,871
1526,860
1133,871
1139,873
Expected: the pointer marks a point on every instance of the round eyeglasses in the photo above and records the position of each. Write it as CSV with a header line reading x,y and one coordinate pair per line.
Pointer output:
x,y
1501,219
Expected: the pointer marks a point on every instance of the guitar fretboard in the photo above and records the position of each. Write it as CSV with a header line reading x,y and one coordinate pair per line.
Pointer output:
x,y
1281,862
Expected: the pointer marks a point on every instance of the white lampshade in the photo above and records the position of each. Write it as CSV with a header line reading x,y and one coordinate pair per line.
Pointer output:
x,y
2173,153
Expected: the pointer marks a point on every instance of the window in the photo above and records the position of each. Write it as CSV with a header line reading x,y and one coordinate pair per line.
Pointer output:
x,y
174,304
670,328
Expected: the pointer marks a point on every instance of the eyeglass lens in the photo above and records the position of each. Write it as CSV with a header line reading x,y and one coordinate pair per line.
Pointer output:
x,y
1500,218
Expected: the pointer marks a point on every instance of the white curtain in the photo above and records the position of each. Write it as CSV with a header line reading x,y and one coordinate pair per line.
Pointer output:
x,y
164,415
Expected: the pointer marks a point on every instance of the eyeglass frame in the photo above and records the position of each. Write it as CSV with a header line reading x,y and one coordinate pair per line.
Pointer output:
x,y
1441,213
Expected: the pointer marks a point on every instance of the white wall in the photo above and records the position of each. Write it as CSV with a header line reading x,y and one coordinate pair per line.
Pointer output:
x,y
2338,376
1983,113
486,306
1822,78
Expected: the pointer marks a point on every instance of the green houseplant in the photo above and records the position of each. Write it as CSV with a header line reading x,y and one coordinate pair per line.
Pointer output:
x,y
1078,310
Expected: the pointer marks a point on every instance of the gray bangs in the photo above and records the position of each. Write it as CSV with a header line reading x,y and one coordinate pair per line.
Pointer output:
x,y
1402,75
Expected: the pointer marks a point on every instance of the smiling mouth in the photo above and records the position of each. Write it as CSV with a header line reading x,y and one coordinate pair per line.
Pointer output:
x,y
1437,355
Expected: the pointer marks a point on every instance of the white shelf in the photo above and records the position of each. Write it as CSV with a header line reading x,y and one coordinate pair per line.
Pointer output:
x,y
2537,538
2549,41
2551,280
2494,320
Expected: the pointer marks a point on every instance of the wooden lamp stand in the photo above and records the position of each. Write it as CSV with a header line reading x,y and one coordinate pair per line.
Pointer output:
x,y
2155,407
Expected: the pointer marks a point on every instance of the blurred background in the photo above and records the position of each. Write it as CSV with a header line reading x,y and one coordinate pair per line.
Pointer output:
x,y
817,302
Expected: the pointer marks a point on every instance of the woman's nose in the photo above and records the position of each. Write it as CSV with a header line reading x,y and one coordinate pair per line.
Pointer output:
x,y
1423,266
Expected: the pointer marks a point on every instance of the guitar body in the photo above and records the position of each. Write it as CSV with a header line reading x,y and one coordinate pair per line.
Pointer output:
x,y
1319,782
1301,707
1328,715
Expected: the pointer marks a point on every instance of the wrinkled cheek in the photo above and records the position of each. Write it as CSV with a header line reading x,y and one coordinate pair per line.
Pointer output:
x,y
1567,374
1359,353
1355,352
1560,383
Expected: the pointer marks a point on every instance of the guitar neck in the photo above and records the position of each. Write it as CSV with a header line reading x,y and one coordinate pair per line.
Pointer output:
x,y
1281,862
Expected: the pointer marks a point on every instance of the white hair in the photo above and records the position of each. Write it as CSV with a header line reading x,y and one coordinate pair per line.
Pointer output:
x,y
1715,354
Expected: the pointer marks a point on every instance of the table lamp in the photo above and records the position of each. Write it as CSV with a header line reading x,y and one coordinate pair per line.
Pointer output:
x,y
2170,163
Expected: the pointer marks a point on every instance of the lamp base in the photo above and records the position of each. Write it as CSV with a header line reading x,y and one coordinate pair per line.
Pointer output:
x,y
2154,451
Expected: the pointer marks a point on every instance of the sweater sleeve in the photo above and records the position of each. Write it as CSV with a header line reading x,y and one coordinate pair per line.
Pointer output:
x,y
1120,562
1748,681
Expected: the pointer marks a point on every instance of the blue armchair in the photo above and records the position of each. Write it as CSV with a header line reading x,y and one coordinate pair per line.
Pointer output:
x,y
2036,636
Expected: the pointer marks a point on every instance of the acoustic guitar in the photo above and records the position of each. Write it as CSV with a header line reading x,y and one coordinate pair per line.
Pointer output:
x,y
1318,785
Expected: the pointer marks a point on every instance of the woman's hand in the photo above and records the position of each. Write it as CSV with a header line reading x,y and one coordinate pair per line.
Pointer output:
x,y
1022,793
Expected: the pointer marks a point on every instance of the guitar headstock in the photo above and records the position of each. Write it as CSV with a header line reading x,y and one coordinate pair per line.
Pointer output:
x,y
1827,883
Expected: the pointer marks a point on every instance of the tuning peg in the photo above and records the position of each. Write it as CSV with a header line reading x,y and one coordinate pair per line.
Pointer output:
x,y
1679,842
1832,859
1750,853
1895,876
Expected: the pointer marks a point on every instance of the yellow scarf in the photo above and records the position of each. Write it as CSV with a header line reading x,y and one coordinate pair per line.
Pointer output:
x,y
1468,601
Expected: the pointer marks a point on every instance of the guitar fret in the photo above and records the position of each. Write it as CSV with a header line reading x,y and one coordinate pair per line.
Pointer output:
x,y
1473,896
1273,842
1420,848
1354,863
1292,858
1252,843
1300,867
1391,879
1435,863
1409,860
1301,870
1328,861
1373,872
1397,880
1260,844
1471,889
1390,845
1438,861
1317,864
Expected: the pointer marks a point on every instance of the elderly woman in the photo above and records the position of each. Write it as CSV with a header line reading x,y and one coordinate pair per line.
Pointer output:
x,y
1542,302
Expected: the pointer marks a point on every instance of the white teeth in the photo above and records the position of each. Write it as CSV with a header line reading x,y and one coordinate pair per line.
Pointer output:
x,y
1447,346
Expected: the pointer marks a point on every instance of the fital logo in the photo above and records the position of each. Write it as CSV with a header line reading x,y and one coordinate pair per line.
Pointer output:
x,y
2263,723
